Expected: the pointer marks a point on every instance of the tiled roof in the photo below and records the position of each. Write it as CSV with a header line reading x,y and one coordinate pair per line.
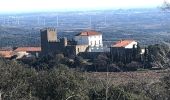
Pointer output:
x,y
6,54
6,49
122,43
28,49
88,33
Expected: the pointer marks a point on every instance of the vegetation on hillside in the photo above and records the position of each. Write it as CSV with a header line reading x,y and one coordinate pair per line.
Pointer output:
x,y
50,78
62,78
158,56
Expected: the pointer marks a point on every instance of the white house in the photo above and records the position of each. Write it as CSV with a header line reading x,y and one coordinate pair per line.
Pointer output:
x,y
21,52
123,50
91,38
127,44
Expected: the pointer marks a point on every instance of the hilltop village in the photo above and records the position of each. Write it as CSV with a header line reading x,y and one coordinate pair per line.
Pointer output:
x,y
82,67
86,44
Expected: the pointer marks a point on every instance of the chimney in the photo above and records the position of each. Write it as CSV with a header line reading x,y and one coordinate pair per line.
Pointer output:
x,y
121,41
64,41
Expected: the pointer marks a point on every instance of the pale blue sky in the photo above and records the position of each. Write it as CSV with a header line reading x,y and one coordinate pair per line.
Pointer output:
x,y
41,5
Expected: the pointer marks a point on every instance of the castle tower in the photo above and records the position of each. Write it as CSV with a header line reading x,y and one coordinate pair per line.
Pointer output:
x,y
49,35
48,40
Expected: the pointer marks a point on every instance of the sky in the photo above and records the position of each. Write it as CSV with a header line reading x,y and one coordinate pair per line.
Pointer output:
x,y
49,5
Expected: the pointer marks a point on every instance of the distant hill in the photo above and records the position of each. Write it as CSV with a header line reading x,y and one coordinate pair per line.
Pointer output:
x,y
148,26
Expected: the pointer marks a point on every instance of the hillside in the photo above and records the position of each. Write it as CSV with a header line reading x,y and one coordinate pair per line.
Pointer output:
x,y
148,26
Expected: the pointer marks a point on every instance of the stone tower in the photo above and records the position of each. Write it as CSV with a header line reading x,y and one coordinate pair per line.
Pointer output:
x,y
49,35
48,40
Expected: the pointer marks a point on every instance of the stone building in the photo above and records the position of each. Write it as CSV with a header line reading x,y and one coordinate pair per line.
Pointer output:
x,y
48,40
50,45
27,52
91,38
21,52
123,50
6,54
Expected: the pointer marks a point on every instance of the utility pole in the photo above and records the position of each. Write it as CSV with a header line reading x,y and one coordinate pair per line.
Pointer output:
x,y
0,95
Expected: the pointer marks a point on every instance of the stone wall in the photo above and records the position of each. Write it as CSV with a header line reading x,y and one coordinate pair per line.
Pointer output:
x,y
91,55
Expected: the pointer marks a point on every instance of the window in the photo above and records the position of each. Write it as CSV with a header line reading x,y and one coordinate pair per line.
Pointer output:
x,y
78,50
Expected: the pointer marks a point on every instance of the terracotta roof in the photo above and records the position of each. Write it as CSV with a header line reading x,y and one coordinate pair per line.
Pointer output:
x,y
6,49
6,54
122,43
88,33
28,49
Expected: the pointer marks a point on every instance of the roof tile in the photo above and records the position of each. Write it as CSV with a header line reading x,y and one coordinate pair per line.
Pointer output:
x,y
6,54
88,33
122,43
28,49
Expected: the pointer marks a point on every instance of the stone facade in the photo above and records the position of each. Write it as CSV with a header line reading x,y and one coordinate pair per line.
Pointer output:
x,y
121,54
51,45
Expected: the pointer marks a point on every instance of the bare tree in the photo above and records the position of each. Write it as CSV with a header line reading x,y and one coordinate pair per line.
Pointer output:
x,y
165,6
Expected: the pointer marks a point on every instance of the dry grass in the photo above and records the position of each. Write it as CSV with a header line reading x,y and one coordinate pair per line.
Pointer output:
x,y
118,78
